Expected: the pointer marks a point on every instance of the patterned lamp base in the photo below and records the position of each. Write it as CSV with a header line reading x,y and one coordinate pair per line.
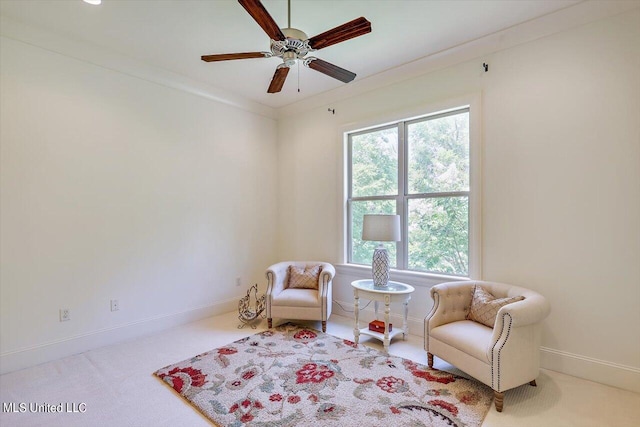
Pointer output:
x,y
380,267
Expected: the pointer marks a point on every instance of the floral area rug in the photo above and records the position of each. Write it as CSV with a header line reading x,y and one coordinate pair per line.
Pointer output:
x,y
296,376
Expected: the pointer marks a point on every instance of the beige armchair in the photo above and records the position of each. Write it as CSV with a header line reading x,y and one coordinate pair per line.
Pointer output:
x,y
289,302
502,357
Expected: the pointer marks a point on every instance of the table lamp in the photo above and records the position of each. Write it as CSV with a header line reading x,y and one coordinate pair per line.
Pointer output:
x,y
381,228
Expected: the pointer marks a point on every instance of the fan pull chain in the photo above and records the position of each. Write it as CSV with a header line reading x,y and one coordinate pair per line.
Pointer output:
x,y
298,62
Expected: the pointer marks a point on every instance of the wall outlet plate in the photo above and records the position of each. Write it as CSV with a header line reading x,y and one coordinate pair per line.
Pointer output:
x,y
115,305
65,314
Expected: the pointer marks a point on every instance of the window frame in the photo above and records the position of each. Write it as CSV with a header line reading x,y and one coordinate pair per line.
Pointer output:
x,y
470,104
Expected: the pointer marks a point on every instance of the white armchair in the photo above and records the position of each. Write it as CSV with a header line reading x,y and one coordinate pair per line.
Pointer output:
x,y
502,357
299,303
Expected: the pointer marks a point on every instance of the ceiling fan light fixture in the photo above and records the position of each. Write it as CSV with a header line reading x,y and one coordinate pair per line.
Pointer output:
x,y
295,41
289,58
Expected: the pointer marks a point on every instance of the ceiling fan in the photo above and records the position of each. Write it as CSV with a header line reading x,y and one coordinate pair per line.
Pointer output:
x,y
291,45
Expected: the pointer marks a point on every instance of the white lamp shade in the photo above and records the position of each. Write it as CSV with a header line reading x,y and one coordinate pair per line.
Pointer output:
x,y
381,228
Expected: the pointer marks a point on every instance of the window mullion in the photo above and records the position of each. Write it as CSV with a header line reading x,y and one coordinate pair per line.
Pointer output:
x,y
349,199
365,198
440,194
401,204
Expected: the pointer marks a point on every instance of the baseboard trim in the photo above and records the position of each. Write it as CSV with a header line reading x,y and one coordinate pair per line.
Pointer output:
x,y
588,368
27,357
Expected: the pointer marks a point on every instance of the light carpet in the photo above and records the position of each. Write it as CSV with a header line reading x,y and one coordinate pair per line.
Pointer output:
x,y
293,375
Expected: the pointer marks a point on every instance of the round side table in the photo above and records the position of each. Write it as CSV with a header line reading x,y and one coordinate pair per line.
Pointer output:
x,y
393,292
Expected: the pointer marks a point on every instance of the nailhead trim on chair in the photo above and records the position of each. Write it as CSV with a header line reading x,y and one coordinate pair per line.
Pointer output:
x,y
325,290
499,350
270,278
436,302
326,278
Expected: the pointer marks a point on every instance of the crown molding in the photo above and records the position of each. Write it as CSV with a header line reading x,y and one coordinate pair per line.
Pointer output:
x,y
114,61
552,23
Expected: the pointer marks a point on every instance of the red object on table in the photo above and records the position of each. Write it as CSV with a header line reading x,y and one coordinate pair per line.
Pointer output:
x,y
378,326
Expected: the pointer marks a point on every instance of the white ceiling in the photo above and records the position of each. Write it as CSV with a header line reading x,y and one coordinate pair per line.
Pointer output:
x,y
173,34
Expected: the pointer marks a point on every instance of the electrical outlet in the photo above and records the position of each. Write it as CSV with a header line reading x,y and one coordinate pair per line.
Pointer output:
x,y
115,305
65,314
238,281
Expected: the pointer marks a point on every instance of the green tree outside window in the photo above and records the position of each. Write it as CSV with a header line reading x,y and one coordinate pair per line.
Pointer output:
x,y
420,170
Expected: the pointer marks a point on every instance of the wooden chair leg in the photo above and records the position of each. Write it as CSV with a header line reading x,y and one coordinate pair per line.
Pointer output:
x,y
324,326
430,359
533,383
270,322
499,399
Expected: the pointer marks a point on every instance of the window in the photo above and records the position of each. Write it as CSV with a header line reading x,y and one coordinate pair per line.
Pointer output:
x,y
420,170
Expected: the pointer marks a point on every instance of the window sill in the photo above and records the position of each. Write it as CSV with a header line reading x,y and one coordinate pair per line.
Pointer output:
x,y
413,278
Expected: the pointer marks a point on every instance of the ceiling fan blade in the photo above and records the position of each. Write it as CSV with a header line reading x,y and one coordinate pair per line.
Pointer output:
x,y
262,17
230,56
347,31
278,79
330,70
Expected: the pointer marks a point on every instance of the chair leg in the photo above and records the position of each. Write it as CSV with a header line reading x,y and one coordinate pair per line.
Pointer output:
x,y
499,399
430,359
324,326
533,383
270,322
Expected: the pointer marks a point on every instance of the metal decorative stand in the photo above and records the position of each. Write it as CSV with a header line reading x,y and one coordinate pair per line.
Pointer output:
x,y
248,314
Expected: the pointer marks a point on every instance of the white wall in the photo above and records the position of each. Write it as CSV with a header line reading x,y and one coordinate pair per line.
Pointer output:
x,y
114,187
561,185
